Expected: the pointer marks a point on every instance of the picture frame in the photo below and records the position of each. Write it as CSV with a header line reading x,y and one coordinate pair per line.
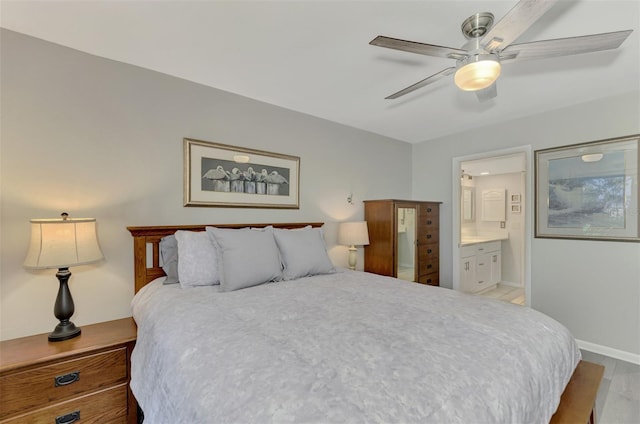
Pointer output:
x,y
588,191
221,175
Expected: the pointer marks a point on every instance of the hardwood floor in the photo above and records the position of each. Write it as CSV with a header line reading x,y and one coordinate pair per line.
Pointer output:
x,y
618,399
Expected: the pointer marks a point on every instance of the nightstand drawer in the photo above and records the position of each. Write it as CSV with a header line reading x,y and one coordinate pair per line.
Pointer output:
x,y
104,407
39,387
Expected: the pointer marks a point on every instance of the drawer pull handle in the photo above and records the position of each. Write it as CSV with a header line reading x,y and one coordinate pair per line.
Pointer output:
x,y
429,222
63,380
71,417
428,236
428,209
429,266
429,251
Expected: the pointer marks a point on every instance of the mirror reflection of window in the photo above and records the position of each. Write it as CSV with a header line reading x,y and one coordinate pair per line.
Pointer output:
x,y
468,214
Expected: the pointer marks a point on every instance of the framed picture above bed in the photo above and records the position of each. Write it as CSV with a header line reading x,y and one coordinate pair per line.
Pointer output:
x,y
589,191
230,176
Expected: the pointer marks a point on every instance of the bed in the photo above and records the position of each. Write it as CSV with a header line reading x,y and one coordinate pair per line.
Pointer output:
x,y
335,346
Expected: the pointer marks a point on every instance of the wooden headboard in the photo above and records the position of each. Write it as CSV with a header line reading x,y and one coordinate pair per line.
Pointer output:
x,y
145,236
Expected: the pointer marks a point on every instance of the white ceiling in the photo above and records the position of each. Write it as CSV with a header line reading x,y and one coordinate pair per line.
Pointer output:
x,y
314,56
507,164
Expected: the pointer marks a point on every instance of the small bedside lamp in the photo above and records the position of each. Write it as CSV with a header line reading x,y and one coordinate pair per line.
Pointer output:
x,y
61,243
353,234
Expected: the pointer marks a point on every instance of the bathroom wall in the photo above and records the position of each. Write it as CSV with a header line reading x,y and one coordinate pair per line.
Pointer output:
x,y
513,248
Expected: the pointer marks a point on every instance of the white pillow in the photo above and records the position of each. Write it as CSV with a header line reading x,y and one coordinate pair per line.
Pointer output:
x,y
247,258
198,259
303,252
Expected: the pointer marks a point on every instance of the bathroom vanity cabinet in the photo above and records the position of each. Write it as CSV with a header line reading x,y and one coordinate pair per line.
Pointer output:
x,y
480,266
404,239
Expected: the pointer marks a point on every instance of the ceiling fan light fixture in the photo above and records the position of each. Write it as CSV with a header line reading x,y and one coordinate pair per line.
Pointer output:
x,y
477,72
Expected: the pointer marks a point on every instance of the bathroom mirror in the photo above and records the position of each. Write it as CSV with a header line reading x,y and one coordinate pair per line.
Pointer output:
x,y
468,201
493,204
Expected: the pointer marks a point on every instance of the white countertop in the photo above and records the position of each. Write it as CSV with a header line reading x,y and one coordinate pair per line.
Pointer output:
x,y
484,238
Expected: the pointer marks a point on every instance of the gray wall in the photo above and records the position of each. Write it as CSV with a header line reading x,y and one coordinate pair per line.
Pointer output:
x,y
592,287
98,138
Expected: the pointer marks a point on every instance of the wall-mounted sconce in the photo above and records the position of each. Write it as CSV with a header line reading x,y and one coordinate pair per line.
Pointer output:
x,y
350,198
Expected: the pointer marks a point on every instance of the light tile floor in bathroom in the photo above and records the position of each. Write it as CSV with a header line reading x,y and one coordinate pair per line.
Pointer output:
x,y
406,273
618,400
506,293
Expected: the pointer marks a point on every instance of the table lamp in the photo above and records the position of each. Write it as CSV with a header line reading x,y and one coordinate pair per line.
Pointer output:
x,y
353,234
61,243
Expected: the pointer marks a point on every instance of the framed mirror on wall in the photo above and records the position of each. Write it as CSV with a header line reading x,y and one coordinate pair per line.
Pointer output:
x,y
468,204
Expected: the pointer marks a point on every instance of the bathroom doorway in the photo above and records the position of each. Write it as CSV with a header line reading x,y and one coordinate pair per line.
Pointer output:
x,y
492,224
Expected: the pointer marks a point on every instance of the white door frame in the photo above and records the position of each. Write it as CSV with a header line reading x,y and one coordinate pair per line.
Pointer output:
x,y
529,205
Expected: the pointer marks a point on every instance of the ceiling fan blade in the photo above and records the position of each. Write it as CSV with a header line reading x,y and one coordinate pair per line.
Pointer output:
x,y
433,78
419,48
515,23
564,46
488,93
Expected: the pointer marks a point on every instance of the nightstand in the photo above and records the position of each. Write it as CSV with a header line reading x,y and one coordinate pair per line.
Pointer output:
x,y
85,378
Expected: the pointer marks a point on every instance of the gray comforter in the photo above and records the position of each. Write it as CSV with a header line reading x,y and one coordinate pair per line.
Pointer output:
x,y
349,347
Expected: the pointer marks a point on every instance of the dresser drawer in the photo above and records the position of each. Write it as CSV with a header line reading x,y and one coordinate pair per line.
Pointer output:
x,y
429,267
38,387
104,407
430,279
428,252
428,235
429,211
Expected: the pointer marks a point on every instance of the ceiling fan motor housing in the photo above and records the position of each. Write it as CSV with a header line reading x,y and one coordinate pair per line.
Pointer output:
x,y
477,25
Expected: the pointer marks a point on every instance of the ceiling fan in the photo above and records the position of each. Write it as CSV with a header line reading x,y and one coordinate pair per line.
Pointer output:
x,y
478,62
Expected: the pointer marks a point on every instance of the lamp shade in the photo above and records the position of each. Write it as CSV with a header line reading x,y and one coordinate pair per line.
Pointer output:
x,y
479,72
61,243
353,233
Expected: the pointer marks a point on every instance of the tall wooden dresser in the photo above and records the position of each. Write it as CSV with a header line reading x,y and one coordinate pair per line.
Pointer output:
x,y
415,222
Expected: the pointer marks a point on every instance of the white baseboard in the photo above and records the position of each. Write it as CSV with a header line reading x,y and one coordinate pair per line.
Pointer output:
x,y
609,351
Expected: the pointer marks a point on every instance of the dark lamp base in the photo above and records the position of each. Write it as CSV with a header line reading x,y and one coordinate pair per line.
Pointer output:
x,y
64,331
63,310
